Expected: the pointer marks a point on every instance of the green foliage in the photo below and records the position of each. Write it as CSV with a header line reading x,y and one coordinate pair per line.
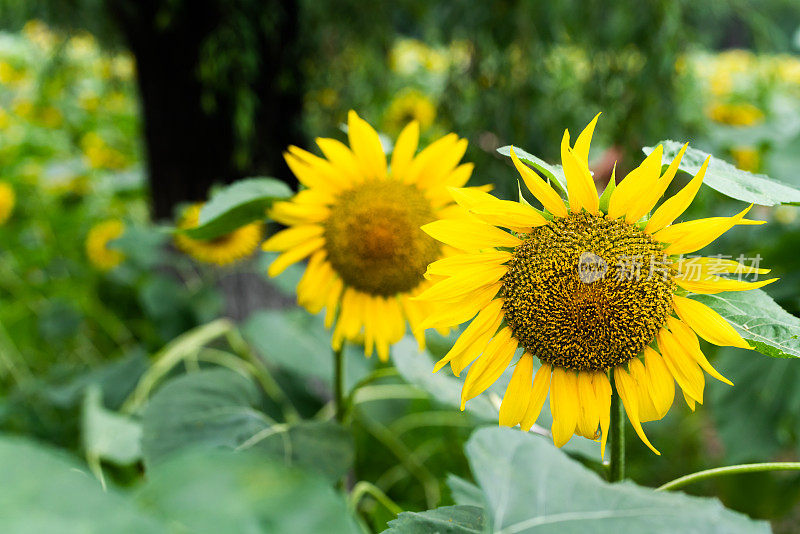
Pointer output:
x,y
234,206
728,180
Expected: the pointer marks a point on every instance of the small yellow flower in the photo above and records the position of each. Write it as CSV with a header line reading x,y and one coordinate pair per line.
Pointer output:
x,y
7,201
595,291
747,158
222,250
410,106
97,241
358,221
40,34
742,114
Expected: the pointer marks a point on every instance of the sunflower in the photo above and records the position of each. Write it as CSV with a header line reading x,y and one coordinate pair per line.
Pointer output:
x,y
410,106
222,250
7,201
100,235
592,287
359,222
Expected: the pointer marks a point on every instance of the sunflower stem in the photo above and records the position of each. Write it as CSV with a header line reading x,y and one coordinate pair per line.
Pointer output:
x,y
338,383
729,470
616,437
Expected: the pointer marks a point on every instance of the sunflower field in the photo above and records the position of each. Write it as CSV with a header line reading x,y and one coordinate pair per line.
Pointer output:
x,y
289,266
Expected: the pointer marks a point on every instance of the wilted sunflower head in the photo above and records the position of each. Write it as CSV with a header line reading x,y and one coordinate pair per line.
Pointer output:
x,y
592,288
223,250
8,200
358,221
97,244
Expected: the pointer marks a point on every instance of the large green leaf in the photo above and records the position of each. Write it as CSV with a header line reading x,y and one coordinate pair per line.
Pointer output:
x,y
220,409
531,486
219,491
770,329
445,520
108,435
730,181
238,204
44,490
555,173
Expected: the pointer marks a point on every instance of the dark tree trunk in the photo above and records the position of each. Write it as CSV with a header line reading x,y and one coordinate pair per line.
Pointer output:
x,y
190,128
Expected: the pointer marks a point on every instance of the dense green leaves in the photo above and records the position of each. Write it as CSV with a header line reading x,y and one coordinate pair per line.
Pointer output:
x,y
445,520
200,492
555,173
730,181
221,409
215,492
530,486
240,203
770,329
46,491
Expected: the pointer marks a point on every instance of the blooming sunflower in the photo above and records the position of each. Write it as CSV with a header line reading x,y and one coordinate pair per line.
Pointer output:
x,y
359,222
592,287
7,201
222,250
97,241
410,106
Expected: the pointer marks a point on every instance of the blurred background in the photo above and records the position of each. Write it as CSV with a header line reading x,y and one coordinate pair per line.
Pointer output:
x,y
115,113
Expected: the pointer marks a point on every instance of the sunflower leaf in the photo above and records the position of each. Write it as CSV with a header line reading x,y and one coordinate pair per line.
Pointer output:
x,y
554,173
770,329
449,519
531,486
728,180
238,204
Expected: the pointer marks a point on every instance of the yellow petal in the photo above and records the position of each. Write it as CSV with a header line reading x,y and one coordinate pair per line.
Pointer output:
x,y
470,236
541,385
626,387
689,401
366,145
291,237
439,169
700,267
294,255
687,373
341,158
488,368
590,409
650,198
453,265
292,213
707,323
430,157
673,207
717,284
404,150
688,340
497,212
452,313
635,186
483,323
584,140
647,408
518,393
580,185
564,404
474,349
545,194
308,176
327,172
602,392
467,281
693,235
662,384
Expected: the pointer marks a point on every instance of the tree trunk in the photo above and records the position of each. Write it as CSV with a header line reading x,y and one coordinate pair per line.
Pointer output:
x,y
191,127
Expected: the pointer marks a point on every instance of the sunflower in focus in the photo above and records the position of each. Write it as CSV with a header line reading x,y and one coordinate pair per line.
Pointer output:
x,y
222,250
8,200
358,221
591,287
100,235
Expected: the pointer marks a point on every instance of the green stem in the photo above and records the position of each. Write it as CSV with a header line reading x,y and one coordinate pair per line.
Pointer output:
x,y
616,437
729,470
338,383
363,488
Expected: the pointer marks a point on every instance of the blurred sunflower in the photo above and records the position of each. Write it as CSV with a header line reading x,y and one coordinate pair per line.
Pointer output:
x,y
222,250
410,106
742,114
97,242
359,221
8,200
589,287
746,158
